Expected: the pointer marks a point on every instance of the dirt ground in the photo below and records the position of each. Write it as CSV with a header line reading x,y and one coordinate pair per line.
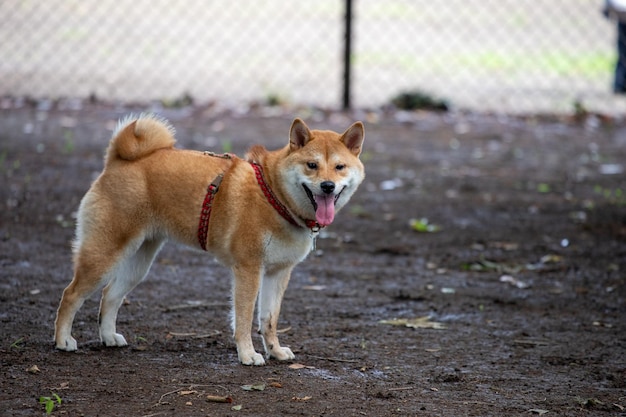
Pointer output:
x,y
515,286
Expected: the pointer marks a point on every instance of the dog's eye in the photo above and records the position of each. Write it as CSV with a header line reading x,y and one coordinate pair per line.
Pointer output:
x,y
311,165
340,167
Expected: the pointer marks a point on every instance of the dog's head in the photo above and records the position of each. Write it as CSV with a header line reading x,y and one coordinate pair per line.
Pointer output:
x,y
322,170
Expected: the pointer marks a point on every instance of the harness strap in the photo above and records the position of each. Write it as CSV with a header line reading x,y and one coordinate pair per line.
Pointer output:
x,y
213,188
205,214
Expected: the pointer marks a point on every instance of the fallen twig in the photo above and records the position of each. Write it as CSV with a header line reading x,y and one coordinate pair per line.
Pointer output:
x,y
531,342
185,387
333,359
401,389
475,402
192,386
166,394
195,335
195,305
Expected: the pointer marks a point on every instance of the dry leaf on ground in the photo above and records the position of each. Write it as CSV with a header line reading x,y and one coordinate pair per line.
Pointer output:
x,y
305,398
300,366
219,399
253,387
416,323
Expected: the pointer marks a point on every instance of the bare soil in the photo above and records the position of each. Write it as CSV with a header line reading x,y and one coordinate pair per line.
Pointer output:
x,y
524,276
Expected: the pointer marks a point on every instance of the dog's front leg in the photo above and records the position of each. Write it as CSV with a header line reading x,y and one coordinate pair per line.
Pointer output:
x,y
245,290
273,286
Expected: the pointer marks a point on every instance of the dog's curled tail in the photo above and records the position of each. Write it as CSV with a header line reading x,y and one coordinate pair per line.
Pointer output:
x,y
136,137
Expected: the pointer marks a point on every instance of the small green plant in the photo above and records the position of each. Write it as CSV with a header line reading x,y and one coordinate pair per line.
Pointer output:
x,y
274,99
424,226
416,100
184,100
615,196
18,344
50,402
68,146
580,109
543,188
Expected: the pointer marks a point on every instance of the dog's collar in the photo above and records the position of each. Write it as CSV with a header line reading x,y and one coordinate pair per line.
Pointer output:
x,y
278,206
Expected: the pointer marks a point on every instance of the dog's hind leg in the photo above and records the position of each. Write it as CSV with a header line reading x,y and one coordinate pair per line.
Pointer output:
x,y
127,274
273,287
92,266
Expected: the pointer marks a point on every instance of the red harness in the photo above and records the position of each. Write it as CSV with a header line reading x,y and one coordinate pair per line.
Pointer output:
x,y
205,213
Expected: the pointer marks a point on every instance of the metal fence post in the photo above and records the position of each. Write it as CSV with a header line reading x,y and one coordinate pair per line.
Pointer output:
x,y
347,52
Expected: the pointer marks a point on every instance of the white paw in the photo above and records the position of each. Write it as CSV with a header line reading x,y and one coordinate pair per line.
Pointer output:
x,y
253,358
282,354
114,339
68,344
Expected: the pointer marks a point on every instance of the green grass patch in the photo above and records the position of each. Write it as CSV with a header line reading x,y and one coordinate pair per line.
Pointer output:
x,y
589,64
548,62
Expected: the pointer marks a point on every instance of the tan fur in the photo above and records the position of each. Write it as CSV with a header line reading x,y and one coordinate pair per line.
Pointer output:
x,y
150,191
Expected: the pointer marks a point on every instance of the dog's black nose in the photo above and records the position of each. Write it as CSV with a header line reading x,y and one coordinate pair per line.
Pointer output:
x,y
328,186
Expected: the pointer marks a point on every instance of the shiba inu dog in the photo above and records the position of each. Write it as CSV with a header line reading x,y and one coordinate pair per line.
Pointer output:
x,y
258,215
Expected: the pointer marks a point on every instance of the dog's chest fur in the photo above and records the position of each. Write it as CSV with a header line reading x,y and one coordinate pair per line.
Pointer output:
x,y
292,250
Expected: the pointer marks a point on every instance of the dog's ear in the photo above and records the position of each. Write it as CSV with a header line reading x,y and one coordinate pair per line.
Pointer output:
x,y
299,135
353,138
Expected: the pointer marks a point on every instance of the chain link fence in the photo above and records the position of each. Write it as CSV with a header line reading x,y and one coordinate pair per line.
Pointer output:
x,y
485,55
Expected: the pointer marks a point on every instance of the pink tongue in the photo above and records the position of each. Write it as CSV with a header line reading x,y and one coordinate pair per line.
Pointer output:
x,y
325,213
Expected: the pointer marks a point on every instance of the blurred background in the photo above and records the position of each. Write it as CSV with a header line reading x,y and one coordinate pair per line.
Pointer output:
x,y
513,56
